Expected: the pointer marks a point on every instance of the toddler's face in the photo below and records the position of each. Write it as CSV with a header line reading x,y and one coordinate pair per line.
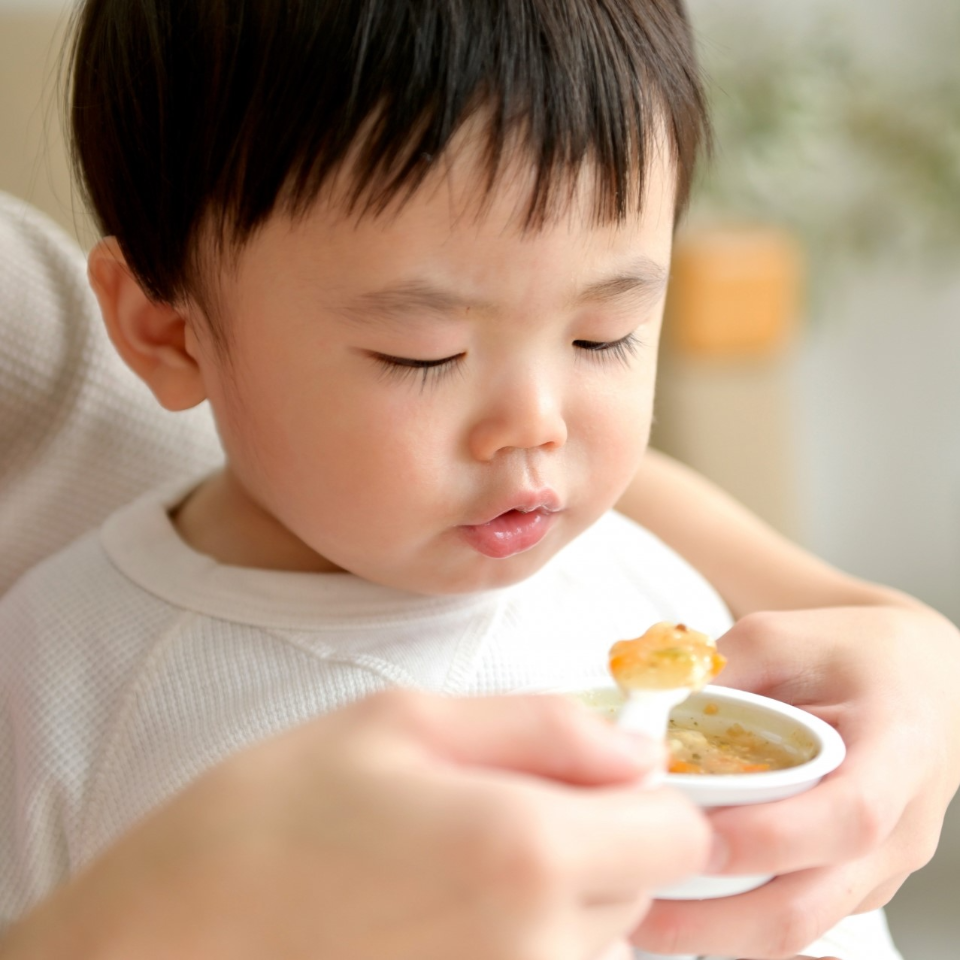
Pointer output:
x,y
435,399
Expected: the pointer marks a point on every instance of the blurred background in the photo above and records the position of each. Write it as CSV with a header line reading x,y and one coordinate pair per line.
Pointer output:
x,y
813,344
810,363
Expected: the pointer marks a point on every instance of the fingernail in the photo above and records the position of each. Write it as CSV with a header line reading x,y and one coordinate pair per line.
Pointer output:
x,y
719,856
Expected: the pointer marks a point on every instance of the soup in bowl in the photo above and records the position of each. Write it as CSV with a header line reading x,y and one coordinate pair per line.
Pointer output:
x,y
731,748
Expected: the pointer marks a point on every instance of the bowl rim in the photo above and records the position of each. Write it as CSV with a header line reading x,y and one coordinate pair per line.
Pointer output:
x,y
830,755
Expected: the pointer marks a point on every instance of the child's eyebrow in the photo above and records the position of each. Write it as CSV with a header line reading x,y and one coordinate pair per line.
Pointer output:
x,y
414,297
643,281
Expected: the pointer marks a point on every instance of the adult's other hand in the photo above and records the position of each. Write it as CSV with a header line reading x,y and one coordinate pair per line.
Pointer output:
x,y
884,676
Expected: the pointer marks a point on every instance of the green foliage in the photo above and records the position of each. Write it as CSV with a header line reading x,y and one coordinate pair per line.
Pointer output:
x,y
859,154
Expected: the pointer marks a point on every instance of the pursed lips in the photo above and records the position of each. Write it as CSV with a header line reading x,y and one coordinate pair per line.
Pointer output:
x,y
544,500
516,529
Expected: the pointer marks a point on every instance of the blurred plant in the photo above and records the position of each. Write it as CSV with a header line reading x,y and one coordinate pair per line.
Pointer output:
x,y
859,154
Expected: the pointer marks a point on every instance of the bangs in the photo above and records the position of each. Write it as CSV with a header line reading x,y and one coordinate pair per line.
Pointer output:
x,y
187,113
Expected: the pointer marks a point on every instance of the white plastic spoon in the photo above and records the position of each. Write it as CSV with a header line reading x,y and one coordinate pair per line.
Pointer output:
x,y
656,672
659,670
648,711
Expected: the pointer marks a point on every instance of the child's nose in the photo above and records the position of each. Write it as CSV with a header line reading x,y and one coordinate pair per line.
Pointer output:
x,y
524,415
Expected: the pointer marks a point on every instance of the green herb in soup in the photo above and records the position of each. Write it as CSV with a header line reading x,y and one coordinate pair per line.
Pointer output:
x,y
704,743
733,750
669,656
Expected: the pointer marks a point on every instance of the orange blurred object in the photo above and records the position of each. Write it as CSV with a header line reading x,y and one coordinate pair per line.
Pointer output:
x,y
734,291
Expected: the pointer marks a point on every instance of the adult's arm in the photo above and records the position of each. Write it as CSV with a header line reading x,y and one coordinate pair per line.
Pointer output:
x,y
753,567
79,434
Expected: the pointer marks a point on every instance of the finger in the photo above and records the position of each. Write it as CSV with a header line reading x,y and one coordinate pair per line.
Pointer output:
x,y
619,951
812,658
546,736
845,816
605,931
881,895
767,654
777,920
622,843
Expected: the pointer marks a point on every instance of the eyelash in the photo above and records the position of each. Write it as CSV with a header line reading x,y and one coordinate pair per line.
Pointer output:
x,y
429,371
432,371
619,351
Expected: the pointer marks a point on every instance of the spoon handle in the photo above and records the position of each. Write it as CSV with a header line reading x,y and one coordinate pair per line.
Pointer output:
x,y
648,711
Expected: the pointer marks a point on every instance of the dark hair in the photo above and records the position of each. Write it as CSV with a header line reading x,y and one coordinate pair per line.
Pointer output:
x,y
187,113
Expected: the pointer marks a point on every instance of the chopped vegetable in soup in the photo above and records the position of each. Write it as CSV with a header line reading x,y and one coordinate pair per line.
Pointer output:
x,y
734,750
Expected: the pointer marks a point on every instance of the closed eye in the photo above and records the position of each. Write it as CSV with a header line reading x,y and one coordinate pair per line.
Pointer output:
x,y
603,350
427,370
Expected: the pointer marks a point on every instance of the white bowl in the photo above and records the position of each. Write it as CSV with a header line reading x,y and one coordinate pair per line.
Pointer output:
x,y
769,718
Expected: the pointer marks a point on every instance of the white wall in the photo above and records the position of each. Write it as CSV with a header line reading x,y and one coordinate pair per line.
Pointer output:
x,y
880,405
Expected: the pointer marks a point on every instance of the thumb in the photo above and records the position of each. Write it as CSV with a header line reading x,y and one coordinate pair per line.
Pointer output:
x,y
621,951
763,653
546,736
791,655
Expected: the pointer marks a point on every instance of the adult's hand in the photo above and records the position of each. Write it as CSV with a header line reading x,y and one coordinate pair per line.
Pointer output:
x,y
406,827
885,677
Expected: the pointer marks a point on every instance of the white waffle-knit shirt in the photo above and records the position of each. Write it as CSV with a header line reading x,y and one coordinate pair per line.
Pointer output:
x,y
130,663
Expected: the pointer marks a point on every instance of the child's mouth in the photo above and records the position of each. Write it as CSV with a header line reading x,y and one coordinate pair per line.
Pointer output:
x,y
509,533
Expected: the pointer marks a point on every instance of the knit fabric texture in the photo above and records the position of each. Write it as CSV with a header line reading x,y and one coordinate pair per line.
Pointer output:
x,y
129,664
80,435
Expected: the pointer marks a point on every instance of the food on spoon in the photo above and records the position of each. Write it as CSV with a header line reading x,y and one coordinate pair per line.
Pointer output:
x,y
668,656
658,670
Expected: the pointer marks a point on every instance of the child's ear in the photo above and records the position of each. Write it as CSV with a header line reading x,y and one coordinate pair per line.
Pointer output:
x,y
150,337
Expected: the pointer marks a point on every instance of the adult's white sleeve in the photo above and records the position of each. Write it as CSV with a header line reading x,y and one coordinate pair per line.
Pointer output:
x,y
79,434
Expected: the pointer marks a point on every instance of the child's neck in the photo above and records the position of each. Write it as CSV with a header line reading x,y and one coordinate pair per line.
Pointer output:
x,y
221,520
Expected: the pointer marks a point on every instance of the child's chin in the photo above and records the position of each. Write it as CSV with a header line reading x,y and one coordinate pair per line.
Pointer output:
x,y
479,575
486,573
